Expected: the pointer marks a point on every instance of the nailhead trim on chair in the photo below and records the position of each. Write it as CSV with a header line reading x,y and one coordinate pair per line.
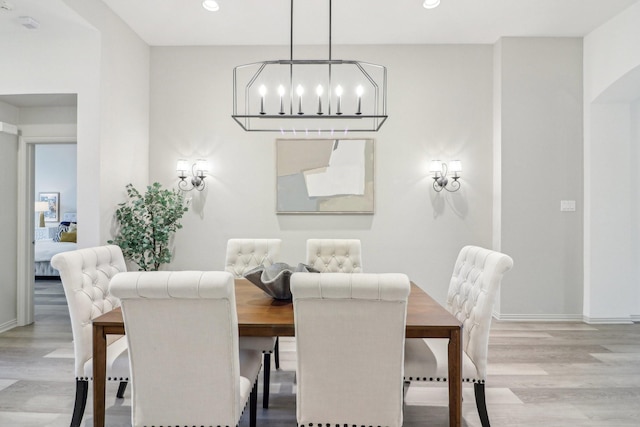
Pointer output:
x,y
108,379
464,380
337,425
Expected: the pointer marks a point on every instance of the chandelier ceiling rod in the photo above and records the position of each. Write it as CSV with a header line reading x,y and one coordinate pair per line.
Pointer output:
x,y
291,31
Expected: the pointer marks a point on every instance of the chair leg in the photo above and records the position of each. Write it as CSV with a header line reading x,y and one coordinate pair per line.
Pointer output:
x,y
276,352
82,387
121,388
253,405
267,379
481,404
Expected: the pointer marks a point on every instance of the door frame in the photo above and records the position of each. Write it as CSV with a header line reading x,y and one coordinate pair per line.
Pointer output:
x,y
26,220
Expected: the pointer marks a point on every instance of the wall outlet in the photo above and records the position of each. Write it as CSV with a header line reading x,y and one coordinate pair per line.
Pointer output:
x,y
567,205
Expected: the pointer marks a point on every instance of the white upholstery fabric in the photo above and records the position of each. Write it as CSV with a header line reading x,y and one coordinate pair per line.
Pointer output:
x,y
350,332
242,256
85,275
472,293
335,255
245,254
182,331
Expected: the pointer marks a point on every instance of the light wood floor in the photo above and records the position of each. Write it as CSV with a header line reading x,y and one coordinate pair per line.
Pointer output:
x,y
540,374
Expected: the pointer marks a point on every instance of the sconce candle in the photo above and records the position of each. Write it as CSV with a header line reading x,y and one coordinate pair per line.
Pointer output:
x,y
263,92
339,95
359,92
319,91
281,93
299,92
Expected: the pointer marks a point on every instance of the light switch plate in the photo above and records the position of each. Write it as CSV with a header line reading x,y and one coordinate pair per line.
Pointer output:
x,y
567,205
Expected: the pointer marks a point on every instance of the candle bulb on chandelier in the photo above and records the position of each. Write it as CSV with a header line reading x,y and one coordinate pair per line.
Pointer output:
x,y
319,91
281,93
263,92
359,92
339,95
300,91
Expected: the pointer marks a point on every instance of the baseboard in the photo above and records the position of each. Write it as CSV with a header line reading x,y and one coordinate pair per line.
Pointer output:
x,y
539,317
608,320
8,325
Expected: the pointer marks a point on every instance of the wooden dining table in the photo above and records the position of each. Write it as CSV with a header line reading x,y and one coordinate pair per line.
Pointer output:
x,y
261,315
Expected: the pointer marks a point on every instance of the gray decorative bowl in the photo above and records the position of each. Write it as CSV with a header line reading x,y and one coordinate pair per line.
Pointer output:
x,y
274,279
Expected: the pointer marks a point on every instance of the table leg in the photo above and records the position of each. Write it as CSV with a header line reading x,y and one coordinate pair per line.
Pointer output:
x,y
99,374
455,378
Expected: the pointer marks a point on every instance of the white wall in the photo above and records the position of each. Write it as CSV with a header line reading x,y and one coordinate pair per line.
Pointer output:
x,y
540,137
8,235
65,64
58,121
635,213
56,172
122,145
440,106
612,86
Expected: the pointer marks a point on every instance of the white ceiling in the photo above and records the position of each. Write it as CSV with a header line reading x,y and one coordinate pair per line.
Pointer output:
x,y
262,22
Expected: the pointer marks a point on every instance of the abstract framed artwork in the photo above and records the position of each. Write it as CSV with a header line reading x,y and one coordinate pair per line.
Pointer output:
x,y
53,199
325,176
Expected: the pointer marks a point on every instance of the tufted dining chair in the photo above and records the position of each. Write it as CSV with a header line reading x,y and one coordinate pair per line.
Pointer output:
x,y
341,321
335,255
85,275
182,332
244,255
472,293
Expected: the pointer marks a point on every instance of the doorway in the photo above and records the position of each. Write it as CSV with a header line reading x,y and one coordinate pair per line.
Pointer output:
x,y
42,119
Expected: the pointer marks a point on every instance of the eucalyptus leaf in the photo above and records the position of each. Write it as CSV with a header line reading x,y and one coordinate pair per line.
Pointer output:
x,y
146,224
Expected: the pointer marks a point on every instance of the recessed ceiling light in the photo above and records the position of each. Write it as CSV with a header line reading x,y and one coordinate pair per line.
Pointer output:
x,y
211,5
5,6
431,4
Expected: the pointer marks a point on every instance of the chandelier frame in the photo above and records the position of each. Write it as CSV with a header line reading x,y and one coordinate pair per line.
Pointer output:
x,y
333,120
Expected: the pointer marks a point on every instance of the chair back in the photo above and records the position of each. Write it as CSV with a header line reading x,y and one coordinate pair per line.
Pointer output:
x,y
350,332
335,255
472,294
246,254
85,275
182,333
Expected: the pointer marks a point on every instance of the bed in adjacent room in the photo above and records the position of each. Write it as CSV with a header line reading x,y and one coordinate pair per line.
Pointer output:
x,y
64,239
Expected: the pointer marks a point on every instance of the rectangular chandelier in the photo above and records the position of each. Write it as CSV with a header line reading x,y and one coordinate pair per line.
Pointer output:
x,y
310,96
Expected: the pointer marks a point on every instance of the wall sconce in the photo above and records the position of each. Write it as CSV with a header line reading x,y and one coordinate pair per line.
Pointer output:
x,y
199,170
41,207
439,170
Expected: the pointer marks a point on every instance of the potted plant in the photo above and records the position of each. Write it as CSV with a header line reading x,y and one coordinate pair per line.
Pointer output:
x,y
146,224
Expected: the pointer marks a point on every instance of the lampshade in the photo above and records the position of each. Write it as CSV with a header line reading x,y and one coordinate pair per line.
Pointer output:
x,y
435,166
455,166
201,166
182,167
41,206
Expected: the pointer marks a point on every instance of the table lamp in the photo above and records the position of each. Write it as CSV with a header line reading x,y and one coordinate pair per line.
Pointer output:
x,y
42,207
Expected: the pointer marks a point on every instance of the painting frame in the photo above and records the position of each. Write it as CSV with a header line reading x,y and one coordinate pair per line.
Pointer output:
x,y
53,198
325,176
